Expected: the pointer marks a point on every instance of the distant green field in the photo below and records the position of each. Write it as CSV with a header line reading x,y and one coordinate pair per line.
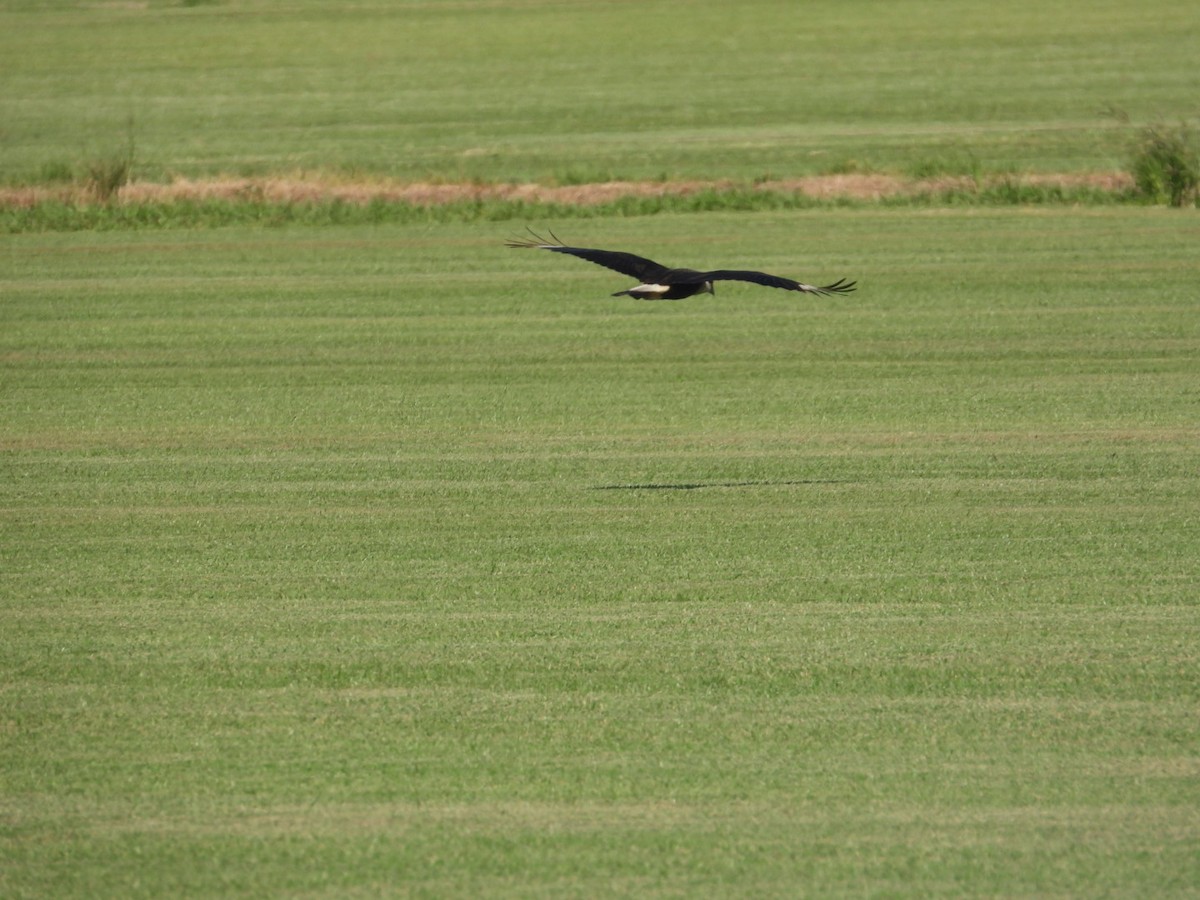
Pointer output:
x,y
371,561
553,90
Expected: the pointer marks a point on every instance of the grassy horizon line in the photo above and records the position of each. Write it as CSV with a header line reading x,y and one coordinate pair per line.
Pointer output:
x,y
268,202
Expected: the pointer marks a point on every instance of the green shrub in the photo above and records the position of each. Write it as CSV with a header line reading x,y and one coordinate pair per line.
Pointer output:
x,y
1166,166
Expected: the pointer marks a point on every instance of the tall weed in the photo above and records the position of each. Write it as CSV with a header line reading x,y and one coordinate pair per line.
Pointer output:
x,y
1166,166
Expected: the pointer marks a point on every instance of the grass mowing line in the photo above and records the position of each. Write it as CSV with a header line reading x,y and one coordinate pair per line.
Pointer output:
x,y
143,208
314,188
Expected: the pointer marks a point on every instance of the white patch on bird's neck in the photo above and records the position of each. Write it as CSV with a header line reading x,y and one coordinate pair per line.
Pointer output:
x,y
650,289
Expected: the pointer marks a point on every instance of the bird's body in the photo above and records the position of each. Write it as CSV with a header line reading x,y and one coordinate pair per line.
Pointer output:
x,y
674,284
661,283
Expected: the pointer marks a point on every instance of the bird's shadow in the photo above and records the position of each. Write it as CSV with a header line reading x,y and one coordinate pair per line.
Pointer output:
x,y
700,485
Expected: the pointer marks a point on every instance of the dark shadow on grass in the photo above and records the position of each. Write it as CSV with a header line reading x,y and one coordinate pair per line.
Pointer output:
x,y
698,485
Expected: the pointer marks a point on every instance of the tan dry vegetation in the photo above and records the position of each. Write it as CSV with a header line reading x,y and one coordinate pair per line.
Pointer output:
x,y
318,189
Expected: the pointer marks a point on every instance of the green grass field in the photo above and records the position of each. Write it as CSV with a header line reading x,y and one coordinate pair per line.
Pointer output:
x,y
342,559
358,561
554,90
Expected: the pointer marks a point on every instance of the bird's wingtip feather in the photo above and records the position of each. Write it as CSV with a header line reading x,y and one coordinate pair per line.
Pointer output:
x,y
536,241
841,286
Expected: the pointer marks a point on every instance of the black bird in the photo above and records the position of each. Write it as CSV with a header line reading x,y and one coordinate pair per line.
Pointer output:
x,y
661,283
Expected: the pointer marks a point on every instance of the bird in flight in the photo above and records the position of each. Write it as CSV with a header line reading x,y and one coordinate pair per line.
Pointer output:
x,y
658,282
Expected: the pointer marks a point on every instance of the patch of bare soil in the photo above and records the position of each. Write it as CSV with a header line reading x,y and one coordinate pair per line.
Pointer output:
x,y
285,190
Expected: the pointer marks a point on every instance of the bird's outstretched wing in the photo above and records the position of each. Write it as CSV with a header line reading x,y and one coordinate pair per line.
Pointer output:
x,y
841,286
646,270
